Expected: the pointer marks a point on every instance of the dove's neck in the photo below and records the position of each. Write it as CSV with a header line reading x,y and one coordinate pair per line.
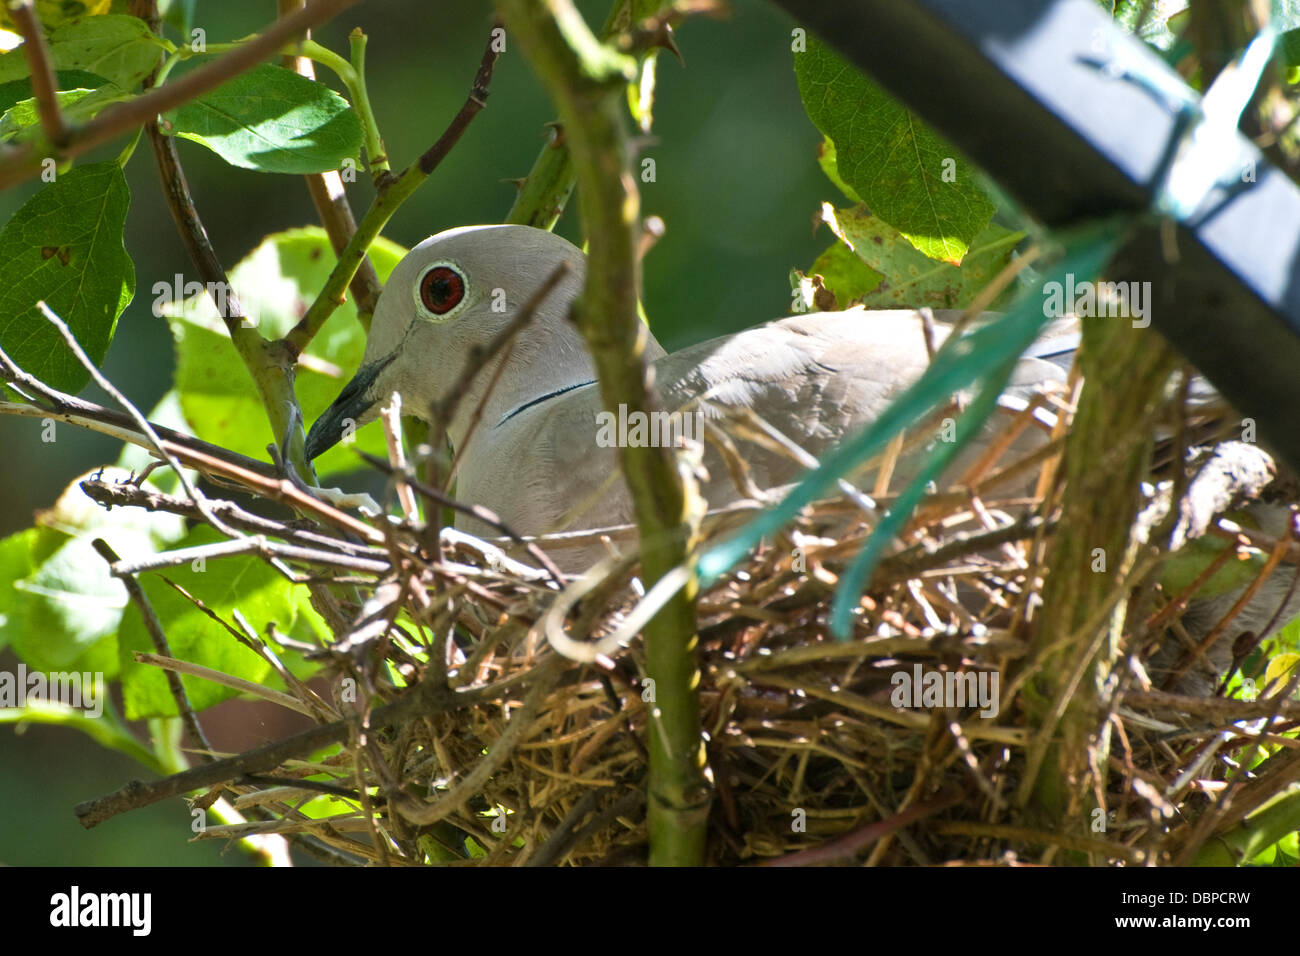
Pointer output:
x,y
548,359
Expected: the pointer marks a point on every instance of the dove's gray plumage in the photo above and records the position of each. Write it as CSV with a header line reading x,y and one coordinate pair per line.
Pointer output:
x,y
537,453
536,457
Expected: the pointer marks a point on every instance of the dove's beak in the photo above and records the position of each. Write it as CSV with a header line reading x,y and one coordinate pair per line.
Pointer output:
x,y
354,407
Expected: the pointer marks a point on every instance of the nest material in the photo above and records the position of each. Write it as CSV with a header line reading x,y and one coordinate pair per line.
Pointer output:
x,y
541,760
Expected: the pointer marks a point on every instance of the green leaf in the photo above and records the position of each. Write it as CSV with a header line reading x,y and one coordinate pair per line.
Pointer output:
x,y
1185,565
912,280
107,730
847,276
276,284
59,606
830,166
64,246
1290,46
119,48
274,120
1281,669
20,555
1278,817
25,113
245,582
75,105
909,177
15,91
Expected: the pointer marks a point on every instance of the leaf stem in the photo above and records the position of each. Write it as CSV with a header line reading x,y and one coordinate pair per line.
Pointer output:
x,y
124,157
376,154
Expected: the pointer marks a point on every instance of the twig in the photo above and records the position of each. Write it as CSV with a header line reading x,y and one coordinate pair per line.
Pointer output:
x,y
250,545
119,494
161,645
390,415
475,102
477,360
143,423
24,163
420,700
392,193
855,841
193,452
173,667
1265,573
268,367
474,511
1218,708
180,203
543,678
78,411
566,838
331,202
44,85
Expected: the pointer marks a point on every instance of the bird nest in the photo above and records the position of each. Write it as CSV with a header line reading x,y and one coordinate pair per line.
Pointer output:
x,y
480,743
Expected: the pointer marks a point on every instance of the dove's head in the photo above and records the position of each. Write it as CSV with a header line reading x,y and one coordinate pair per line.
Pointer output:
x,y
450,294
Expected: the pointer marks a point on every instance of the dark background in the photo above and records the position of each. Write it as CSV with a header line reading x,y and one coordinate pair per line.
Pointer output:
x,y
737,187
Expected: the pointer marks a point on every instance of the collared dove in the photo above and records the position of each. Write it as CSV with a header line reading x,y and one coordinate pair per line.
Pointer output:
x,y
542,457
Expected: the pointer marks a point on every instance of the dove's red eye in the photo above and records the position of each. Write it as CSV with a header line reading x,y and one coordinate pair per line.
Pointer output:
x,y
441,289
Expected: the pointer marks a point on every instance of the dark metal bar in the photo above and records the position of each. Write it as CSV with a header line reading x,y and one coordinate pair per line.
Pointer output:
x,y
1015,84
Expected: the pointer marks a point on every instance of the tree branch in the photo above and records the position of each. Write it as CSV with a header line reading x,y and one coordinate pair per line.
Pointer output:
x,y
392,193
586,80
331,202
151,624
44,84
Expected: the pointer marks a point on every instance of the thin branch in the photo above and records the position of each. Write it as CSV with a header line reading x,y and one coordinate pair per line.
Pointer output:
x,y
331,202
173,667
161,645
44,84
543,678
193,452
180,203
392,193
478,358
332,208
141,422
258,545
25,162
421,700
474,511
112,494
266,365
122,426
474,103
